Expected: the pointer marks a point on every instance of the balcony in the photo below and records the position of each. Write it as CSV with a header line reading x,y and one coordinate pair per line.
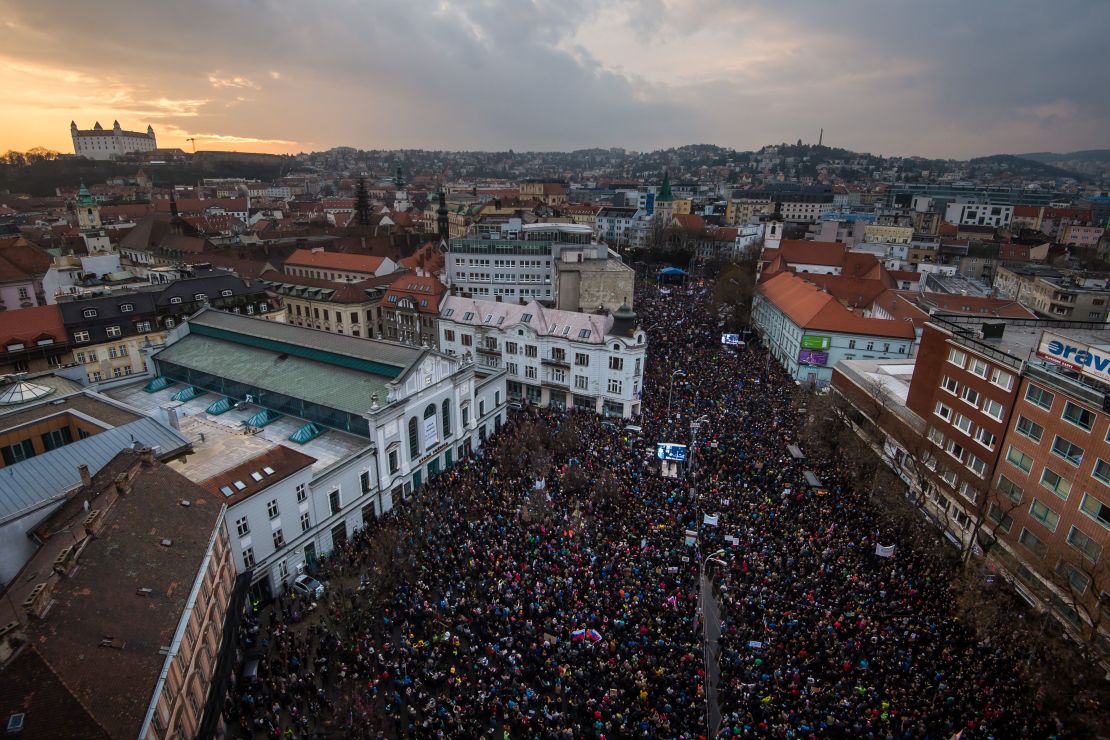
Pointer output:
x,y
552,362
486,350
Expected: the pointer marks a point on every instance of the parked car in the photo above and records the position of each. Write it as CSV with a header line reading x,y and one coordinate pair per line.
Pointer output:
x,y
308,586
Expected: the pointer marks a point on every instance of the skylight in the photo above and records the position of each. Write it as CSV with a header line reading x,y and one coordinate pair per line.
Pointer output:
x,y
448,313
468,316
268,470
256,475
526,318
240,485
226,490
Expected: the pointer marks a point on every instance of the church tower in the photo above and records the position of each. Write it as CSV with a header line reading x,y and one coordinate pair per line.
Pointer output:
x,y
442,222
401,198
664,200
88,221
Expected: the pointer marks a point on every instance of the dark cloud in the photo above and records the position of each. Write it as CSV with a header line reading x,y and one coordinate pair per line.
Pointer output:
x,y
937,78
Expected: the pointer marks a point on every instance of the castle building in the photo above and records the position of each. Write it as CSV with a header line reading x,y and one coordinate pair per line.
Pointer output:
x,y
101,143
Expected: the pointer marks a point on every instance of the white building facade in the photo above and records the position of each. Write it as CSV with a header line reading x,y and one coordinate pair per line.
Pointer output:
x,y
103,144
552,358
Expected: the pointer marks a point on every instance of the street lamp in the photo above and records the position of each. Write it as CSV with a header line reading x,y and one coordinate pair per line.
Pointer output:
x,y
695,427
677,373
705,592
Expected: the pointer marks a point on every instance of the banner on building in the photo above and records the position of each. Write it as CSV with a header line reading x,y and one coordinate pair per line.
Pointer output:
x,y
814,341
430,433
1094,362
813,357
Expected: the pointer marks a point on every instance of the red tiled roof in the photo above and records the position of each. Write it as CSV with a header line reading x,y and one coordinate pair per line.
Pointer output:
x,y
800,251
427,258
366,263
689,221
1003,308
913,277
811,308
417,287
851,291
20,259
1026,211
281,460
200,205
28,325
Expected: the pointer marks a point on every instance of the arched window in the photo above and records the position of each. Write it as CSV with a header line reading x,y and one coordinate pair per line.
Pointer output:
x,y
414,440
447,418
430,411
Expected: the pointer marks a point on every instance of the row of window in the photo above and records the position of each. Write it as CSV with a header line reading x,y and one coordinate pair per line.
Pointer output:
x,y
981,369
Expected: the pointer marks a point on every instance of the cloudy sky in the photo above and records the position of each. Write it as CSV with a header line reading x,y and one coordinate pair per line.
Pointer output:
x,y
932,77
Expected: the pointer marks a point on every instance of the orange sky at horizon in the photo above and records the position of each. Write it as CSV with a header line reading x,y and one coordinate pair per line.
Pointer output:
x,y
41,101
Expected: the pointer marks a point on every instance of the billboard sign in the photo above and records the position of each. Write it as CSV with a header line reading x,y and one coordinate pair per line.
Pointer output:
x,y
670,451
815,341
731,339
813,357
1094,362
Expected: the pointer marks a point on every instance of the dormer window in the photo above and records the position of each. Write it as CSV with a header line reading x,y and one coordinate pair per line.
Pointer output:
x,y
175,299
448,313
200,297
423,302
126,307
468,316
225,293
526,318
392,299
89,313
584,334
489,318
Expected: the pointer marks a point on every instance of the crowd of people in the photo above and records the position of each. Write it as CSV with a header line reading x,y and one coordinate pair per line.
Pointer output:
x,y
536,591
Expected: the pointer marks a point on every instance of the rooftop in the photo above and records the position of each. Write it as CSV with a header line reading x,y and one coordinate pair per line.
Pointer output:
x,y
889,377
99,626
32,483
366,263
257,474
503,316
811,308
221,442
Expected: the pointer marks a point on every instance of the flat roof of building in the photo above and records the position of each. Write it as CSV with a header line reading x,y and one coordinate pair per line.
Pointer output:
x,y
225,441
1020,337
891,377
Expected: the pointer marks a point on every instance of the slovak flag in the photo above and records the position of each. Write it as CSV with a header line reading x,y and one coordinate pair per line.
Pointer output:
x,y
578,634
594,635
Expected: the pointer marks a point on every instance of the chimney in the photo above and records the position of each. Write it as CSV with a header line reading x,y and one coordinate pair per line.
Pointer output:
x,y
146,455
86,479
122,485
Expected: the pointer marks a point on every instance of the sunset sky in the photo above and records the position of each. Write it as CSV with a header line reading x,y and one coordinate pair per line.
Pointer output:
x,y
935,78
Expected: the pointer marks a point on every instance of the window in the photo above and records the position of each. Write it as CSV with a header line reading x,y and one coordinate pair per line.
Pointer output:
x,y
89,313
1076,579
614,386
175,300
468,316
985,438
279,539
1039,397
467,340
992,409
1086,545
1071,452
956,357
80,336
1002,379
851,344
445,412
272,509
225,293
394,462
302,494
584,334
18,452
971,396
1052,480
306,521
1030,429
530,350
936,437
962,423
466,416
582,359
978,367
1101,471
956,450
1044,515
142,326
126,307
414,440
949,384
559,354
1019,459
1002,520
1079,416
56,438
977,466
242,526
525,318
1095,509
943,411
113,331
170,323
334,502
616,363
1034,544
581,382
248,557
